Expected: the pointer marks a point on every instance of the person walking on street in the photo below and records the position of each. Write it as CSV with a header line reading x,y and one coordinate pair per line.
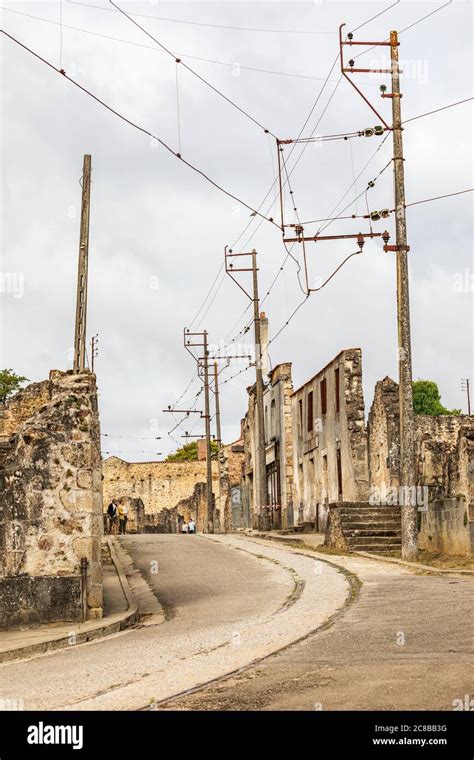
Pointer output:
x,y
112,513
191,526
123,517
184,527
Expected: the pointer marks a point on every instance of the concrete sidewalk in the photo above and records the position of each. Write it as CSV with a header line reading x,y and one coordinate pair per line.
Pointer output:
x,y
120,611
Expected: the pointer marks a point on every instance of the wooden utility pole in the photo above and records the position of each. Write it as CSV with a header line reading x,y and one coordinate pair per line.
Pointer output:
x,y
261,457
407,451
207,415
81,300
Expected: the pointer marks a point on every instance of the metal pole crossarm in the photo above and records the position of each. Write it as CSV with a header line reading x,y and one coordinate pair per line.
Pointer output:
x,y
359,237
230,269
351,41
215,357
351,70
182,411
396,248
344,71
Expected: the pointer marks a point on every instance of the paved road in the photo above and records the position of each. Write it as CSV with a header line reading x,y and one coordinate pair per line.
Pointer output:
x,y
405,644
226,602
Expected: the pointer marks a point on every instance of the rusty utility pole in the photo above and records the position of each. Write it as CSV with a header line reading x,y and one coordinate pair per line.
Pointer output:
x,y
190,341
207,413
407,451
81,300
218,408
94,350
219,441
466,386
260,466
261,455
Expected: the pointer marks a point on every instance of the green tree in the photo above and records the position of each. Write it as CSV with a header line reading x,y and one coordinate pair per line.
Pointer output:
x,y
427,399
9,383
189,452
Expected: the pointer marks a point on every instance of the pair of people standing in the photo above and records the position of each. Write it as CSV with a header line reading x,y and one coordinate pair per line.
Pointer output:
x,y
188,527
117,514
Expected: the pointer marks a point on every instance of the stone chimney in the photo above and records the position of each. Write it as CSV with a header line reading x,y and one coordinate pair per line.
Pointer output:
x,y
201,449
264,342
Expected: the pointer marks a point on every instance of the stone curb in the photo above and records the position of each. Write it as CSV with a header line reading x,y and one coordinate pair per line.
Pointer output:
x,y
93,629
415,565
368,555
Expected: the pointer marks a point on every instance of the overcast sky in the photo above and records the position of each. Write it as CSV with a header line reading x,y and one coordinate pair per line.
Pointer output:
x,y
158,230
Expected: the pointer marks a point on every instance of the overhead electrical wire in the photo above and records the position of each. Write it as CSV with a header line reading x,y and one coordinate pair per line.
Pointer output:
x,y
275,181
214,26
405,29
438,197
437,110
356,29
195,73
327,79
134,437
114,453
378,148
213,61
135,126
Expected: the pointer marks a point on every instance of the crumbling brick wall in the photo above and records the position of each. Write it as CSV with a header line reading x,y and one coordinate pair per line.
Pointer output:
x,y
51,498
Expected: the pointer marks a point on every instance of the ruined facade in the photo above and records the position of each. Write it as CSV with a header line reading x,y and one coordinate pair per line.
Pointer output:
x,y
229,497
173,491
159,485
329,439
444,466
51,502
321,454
278,453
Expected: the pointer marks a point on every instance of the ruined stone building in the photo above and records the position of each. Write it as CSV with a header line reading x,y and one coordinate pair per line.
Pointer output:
x,y
229,496
444,461
51,502
160,495
278,453
322,458
329,439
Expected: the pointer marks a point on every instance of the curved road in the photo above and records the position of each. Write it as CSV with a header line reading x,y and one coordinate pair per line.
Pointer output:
x,y
226,603
407,643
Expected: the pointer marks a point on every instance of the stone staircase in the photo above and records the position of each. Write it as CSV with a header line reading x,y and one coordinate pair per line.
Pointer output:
x,y
371,528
